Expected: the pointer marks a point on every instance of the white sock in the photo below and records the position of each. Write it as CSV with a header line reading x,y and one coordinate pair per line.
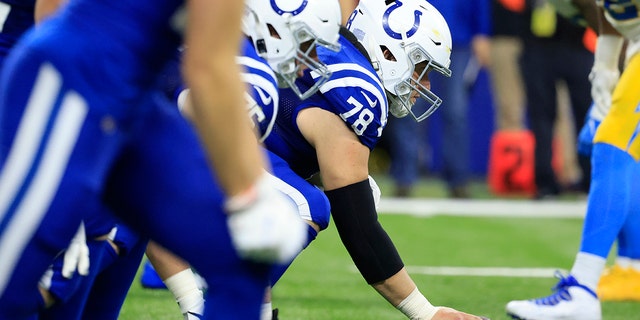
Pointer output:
x,y
266,312
416,307
587,269
185,289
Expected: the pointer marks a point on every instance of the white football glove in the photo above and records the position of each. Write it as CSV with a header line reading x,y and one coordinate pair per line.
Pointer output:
x,y
603,81
264,224
375,190
605,74
76,257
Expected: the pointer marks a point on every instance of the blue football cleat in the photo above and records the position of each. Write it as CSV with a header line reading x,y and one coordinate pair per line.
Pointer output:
x,y
150,278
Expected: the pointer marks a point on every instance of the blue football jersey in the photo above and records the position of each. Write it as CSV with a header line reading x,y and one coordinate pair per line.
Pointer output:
x,y
261,86
262,90
83,125
127,43
354,92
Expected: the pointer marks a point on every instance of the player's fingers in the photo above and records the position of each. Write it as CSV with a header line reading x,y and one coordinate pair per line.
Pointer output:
x,y
83,263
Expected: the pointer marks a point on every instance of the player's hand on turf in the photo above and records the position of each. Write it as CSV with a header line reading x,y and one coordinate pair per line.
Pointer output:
x,y
76,257
445,313
265,225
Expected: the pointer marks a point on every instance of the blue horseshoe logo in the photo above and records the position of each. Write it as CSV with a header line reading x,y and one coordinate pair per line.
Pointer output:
x,y
294,12
397,35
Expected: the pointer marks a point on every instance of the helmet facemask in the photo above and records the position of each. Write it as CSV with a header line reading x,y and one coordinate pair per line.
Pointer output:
x,y
408,90
305,58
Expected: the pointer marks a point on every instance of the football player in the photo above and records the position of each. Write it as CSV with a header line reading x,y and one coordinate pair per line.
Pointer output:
x,y
60,285
83,123
383,67
279,40
615,170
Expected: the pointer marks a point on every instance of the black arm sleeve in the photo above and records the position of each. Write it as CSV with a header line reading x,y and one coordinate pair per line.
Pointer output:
x,y
353,211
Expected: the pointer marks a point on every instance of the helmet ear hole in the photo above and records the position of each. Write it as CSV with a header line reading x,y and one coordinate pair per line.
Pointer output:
x,y
388,55
273,32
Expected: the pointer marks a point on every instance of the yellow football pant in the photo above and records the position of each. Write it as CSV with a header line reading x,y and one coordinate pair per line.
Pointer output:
x,y
620,127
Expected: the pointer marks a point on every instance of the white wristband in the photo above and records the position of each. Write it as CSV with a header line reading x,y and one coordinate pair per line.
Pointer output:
x,y
608,50
416,307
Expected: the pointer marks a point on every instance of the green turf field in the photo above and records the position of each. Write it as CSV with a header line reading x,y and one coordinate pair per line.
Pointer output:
x,y
323,284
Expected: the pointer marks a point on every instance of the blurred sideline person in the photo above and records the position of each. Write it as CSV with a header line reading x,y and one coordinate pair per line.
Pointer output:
x,y
511,146
470,23
332,132
615,168
553,52
284,40
508,25
98,130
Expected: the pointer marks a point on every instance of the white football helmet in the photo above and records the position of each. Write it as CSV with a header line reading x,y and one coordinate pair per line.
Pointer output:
x,y
398,35
277,29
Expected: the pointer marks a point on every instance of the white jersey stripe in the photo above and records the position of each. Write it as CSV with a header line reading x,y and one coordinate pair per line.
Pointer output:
x,y
358,83
273,93
4,13
255,64
301,202
44,186
357,68
261,82
30,131
350,67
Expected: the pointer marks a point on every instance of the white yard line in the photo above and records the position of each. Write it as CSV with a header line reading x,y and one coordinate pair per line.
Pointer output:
x,y
484,208
481,271
485,271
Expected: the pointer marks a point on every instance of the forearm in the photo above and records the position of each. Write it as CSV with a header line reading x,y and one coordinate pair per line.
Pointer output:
x,y
370,247
225,131
216,93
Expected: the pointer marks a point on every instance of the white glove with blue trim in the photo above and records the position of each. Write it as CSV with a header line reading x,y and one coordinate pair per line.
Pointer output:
x,y
264,223
76,257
